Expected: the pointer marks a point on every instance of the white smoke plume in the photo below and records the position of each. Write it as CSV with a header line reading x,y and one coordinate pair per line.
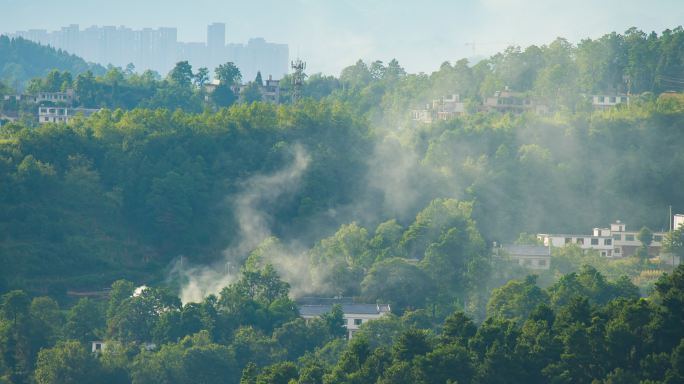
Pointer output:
x,y
249,207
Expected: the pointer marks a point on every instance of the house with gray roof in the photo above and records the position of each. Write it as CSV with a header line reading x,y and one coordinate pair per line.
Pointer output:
x,y
528,256
355,314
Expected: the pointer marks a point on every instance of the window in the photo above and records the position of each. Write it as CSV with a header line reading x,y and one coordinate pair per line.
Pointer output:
x,y
657,238
568,240
629,237
98,346
617,237
607,241
616,250
357,321
594,241
603,253
580,240
612,99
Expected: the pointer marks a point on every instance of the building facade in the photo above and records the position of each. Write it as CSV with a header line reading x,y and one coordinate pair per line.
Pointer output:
x,y
444,108
603,102
677,221
270,92
528,256
615,241
507,101
56,98
61,114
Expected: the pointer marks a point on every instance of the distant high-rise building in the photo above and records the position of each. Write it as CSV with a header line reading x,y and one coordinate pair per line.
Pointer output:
x,y
216,36
216,43
166,49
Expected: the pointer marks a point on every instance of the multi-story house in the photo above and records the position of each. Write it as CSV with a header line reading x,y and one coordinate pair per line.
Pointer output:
x,y
61,98
61,114
445,108
615,241
270,92
508,101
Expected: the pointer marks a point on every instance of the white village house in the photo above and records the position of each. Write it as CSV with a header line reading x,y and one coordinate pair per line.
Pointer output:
x,y
354,314
615,241
603,102
62,114
677,220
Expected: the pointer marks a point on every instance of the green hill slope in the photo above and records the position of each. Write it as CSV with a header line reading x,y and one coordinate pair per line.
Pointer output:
x,y
22,60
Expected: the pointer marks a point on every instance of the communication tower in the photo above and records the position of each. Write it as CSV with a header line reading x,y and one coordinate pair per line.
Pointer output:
x,y
297,79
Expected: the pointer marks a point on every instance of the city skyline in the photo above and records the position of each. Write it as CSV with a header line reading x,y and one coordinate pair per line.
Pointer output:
x,y
331,35
160,49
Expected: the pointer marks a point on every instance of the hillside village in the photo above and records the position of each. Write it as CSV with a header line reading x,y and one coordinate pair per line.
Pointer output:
x,y
61,107
613,242
504,101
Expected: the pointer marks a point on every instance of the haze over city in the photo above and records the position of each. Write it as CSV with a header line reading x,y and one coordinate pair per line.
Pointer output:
x,y
333,34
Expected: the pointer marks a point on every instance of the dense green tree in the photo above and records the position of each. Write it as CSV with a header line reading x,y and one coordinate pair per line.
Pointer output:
x,y
335,322
15,306
401,284
68,362
201,77
258,80
136,317
181,75
84,320
412,343
228,73
46,322
516,300
674,242
280,373
251,92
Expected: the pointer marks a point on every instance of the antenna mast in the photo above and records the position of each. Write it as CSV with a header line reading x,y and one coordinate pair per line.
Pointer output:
x,y
297,79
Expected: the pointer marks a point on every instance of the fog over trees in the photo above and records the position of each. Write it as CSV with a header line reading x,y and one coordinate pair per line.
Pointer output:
x,y
229,209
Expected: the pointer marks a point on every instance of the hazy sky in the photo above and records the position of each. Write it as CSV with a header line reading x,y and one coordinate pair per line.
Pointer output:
x,y
331,34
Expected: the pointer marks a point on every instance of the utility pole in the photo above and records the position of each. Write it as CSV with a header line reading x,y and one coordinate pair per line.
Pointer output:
x,y
671,219
297,79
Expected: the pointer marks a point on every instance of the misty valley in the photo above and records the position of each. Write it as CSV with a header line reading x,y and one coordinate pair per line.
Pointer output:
x,y
513,219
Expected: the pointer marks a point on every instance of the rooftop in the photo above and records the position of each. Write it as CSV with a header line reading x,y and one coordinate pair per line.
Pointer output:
x,y
357,309
527,250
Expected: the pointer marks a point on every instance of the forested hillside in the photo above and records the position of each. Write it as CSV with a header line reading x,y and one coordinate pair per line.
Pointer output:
x,y
229,208
22,60
132,191
583,329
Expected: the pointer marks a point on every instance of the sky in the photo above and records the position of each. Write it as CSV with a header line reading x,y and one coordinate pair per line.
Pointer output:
x,y
332,34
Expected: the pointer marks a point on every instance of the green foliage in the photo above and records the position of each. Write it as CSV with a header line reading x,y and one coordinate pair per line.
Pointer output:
x,y
127,191
22,60
516,300
334,321
83,320
181,75
67,363
251,92
674,242
401,284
